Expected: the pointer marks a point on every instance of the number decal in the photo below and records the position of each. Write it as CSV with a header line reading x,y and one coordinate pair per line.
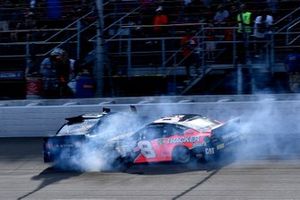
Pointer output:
x,y
146,149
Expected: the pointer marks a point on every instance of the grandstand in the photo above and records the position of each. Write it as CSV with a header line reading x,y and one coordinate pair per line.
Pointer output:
x,y
133,54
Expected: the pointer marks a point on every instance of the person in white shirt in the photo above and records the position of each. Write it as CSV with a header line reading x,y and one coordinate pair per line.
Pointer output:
x,y
261,29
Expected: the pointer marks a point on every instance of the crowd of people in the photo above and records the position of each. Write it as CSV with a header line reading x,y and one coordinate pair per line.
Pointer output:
x,y
254,21
31,21
59,76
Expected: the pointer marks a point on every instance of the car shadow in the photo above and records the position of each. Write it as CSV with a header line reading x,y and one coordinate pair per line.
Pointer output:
x,y
173,168
50,176
212,168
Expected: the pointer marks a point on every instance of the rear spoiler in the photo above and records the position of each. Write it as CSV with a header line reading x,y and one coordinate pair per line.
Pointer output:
x,y
132,109
227,127
106,110
75,119
80,118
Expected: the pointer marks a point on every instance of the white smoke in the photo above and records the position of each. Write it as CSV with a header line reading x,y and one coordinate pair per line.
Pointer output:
x,y
270,132
91,155
263,125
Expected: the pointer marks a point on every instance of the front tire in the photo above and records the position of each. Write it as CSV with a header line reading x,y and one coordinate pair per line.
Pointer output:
x,y
121,164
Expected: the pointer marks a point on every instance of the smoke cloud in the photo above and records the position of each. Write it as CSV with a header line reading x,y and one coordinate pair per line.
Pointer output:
x,y
269,131
91,156
262,124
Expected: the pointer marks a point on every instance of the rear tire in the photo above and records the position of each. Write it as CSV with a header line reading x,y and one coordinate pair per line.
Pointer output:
x,y
181,155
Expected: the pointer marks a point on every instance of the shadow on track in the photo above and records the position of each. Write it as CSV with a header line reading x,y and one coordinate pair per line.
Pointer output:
x,y
171,168
48,177
168,168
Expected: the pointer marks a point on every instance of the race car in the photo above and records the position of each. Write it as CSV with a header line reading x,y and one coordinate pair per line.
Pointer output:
x,y
178,138
92,129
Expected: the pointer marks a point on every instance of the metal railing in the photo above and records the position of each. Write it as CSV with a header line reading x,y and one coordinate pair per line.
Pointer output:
x,y
166,45
295,34
165,53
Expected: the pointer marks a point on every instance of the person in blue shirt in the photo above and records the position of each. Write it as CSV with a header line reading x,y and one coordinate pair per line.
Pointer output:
x,y
292,66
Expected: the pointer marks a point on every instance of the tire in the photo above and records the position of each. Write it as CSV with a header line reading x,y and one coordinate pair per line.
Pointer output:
x,y
181,155
121,164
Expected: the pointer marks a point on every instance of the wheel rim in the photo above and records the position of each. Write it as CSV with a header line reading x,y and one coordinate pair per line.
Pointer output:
x,y
182,155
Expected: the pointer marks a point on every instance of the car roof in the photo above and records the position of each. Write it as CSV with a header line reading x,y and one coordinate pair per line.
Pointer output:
x,y
189,120
177,118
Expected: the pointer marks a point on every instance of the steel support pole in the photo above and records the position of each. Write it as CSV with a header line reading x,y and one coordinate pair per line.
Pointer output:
x,y
99,61
78,39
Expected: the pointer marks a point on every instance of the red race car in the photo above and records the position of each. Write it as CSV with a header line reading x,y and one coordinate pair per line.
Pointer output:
x,y
177,138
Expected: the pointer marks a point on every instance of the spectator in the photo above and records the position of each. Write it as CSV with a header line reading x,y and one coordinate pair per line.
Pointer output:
x,y
211,41
159,20
14,36
292,65
189,43
221,15
85,84
187,2
262,26
32,4
244,20
269,20
273,5
146,4
54,9
207,3
4,18
58,72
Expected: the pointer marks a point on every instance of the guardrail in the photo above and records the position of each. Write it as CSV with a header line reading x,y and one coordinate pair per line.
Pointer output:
x,y
269,113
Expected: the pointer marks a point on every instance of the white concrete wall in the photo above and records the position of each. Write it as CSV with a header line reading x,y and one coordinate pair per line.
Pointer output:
x,y
43,118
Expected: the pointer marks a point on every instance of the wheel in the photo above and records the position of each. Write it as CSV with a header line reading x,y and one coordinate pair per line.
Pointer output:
x,y
181,155
121,164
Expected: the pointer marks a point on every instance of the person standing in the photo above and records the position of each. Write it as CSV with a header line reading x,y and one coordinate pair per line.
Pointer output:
x,y
292,65
244,20
58,75
159,20
188,44
262,27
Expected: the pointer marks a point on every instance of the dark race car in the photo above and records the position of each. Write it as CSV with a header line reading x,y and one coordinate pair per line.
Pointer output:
x,y
88,130
177,138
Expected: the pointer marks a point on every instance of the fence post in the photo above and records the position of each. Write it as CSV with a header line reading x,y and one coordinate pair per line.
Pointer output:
x,y
78,39
129,62
163,52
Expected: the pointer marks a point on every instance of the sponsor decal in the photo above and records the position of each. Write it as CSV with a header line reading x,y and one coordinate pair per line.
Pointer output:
x,y
64,145
209,151
230,135
220,146
183,140
199,145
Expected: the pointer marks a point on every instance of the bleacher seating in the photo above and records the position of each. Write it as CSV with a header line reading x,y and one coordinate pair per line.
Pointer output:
x,y
130,43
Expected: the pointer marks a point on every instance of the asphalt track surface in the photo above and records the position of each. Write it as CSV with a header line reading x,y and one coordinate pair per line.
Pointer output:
x,y
23,175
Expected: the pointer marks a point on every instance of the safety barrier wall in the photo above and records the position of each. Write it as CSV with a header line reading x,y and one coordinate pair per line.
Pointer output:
x,y
260,113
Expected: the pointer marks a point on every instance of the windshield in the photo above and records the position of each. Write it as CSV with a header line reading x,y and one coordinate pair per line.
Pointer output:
x,y
78,128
